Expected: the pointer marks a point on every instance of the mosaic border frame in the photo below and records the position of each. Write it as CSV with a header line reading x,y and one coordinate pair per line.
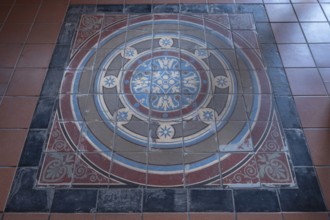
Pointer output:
x,y
24,197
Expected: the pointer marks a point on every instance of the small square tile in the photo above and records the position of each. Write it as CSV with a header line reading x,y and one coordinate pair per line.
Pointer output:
x,y
326,9
14,33
11,115
296,55
23,13
7,176
44,33
9,54
118,216
316,32
165,216
318,144
76,216
309,12
324,179
325,73
51,13
307,106
211,216
304,216
5,75
26,82
305,81
288,33
280,12
12,145
25,216
36,55
320,54
211,201
259,216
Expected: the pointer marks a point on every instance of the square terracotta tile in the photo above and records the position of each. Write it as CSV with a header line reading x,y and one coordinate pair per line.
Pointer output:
x,y
309,12
118,216
23,13
14,33
305,216
7,175
36,55
26,81
320,54
44,33
307,106
76,216
280,13
165,216
318,143
305,81
324,179
5,74
9,54
296,55
51,13
12,142
11,114
317,32
211,216
288,33
259,216
26,216
4,11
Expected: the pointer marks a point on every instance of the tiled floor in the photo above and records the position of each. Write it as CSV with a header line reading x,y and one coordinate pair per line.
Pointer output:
x,y
181,110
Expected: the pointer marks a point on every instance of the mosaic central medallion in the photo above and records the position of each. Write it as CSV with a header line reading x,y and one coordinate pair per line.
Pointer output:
x,y
165,101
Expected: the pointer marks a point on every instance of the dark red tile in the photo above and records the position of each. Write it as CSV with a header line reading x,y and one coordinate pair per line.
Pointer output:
x,y
26,216
7,175
51,13
165,216
4,11
9,54
324,179
280,12
23,13
5,74
211,216
118,216
309,12
318,142
321,54
305,216
36,55
12,114
317,32
12,142
14,33
288,33
313,111
305,81
26,82
296,55
44,33
259,216
76,216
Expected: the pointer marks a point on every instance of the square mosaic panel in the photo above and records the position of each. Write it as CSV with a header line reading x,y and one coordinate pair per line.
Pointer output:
x,y
165,100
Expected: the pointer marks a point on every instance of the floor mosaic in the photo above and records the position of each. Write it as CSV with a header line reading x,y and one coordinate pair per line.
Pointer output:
x,y
170,111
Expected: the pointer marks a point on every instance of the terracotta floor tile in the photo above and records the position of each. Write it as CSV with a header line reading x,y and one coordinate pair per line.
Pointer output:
x,y
326,9
318,143
23,13
12,114
25,216
324,179
165,216
317,32
12,142
307,106
280,12
138,2
5,74
288,33
76,216
27,82
51,13
119,216
305,81
4,11
44,33
22,2
14,33
309,12
305,216
320,53
9,54
7,175
259,216
36,55
211,216
296,55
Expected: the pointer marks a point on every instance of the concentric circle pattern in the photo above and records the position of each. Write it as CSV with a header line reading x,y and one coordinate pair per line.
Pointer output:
x,y
168,100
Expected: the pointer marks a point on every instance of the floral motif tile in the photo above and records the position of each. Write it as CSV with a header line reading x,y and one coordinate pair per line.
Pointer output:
x,y
166,100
